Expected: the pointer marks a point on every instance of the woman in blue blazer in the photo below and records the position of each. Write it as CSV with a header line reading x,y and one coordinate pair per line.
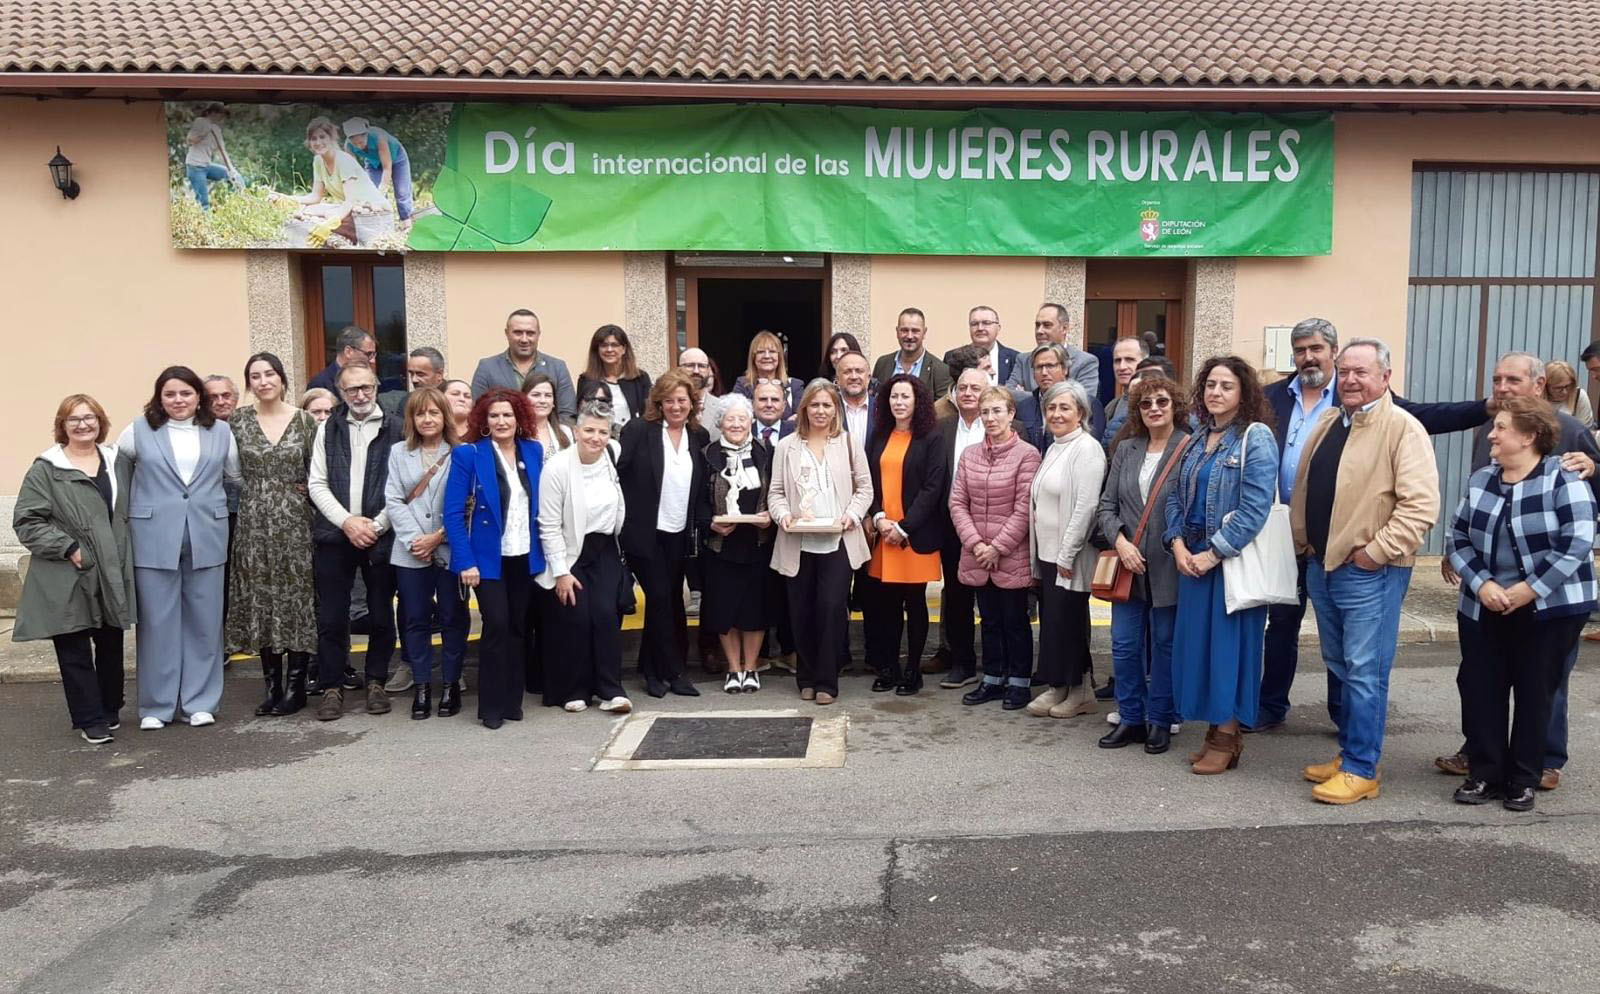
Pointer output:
x,y
491,510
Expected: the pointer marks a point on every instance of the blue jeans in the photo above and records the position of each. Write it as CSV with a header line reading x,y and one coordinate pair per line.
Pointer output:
x,y
400,173
200,180
1283,657
1358,621
1555,746
419,590
1140,632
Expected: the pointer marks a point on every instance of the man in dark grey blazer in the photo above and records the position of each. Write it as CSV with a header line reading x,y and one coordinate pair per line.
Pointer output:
x,y
913,358
522,356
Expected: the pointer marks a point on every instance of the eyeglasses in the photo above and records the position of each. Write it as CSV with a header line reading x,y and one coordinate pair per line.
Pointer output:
x,y
980,324
1052,364
358,390
1155,403
83,420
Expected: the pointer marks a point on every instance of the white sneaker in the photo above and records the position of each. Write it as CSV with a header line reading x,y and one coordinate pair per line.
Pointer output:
x,y
202,718
733,683
621,705
752,683
1176,727
151,724
575,706
1113,718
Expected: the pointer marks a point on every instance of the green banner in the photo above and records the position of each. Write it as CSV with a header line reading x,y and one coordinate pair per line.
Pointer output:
x,y
751,178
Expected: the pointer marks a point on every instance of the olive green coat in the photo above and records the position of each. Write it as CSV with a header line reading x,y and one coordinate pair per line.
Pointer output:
x,y
59,506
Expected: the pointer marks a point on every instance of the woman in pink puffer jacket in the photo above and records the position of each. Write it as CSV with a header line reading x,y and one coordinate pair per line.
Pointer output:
x,y
989,505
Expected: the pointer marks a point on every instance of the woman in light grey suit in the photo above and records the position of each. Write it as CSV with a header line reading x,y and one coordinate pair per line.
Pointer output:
x,y
178,519
414,498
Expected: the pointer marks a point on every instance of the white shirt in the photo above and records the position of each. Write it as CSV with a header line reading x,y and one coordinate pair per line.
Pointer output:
x,y
600,496
994,363
329,504
855,420
184,437
817,484
621,413
1147,472
966,435
672,514
760,433
517,539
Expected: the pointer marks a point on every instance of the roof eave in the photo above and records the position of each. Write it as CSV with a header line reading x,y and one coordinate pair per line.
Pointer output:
x,y
169,85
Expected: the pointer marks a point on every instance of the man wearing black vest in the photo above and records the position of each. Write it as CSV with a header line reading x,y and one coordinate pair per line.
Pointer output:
x,y
351,535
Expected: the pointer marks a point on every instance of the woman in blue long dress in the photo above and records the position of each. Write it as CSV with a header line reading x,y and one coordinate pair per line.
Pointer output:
x,y
1224,493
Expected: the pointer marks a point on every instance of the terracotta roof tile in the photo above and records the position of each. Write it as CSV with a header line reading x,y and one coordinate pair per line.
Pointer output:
x,y
1551,44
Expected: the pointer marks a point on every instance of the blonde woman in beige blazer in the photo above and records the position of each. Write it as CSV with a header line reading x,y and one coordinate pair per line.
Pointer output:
x,y
1065,494
819,474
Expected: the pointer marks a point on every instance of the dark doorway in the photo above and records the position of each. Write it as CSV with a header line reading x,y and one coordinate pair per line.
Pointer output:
x,y
731,311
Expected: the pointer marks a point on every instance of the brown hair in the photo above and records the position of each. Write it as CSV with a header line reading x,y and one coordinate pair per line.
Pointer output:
x,y
802,418
766,338
664,387
65,410
415,402
1535,417
1149,385
536,378
597,367
1253,405
1569,381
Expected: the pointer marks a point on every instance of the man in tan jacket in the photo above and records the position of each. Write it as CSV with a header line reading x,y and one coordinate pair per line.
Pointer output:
x,y
1365,494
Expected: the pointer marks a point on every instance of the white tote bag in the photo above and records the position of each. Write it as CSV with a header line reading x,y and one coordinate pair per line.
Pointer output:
x,y
1264,571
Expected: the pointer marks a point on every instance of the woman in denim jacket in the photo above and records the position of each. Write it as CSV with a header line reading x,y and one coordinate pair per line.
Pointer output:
x,y
1225,488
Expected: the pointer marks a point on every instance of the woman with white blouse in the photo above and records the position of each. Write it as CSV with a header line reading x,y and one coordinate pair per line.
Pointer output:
x,y
178,521
581,511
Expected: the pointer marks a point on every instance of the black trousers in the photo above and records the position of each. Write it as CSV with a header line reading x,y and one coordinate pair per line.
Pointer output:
x,y
819,595
585,657
896,607
503,605
1007,636
537,646
333,570
955,617
778,604
1063,632
1520,658
665,639
91,674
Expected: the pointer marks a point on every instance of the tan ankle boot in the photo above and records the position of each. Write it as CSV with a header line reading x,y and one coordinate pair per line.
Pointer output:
x,y
1221,755
1200,753
1079,700
1048,698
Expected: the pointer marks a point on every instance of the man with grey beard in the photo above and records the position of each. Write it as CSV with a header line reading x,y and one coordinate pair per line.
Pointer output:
x,y
1297,402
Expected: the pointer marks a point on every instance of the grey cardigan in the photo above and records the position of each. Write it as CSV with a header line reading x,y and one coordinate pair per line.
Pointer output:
x,y
421,516
1120,507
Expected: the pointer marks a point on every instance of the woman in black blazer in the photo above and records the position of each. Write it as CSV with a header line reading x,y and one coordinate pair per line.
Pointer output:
x,y
905,520
611,362
661,469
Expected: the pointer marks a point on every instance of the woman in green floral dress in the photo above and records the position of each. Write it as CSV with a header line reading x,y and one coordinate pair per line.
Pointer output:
x,y
271,607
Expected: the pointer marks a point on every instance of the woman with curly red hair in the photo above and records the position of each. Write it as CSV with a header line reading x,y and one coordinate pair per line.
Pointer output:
x,y
491,504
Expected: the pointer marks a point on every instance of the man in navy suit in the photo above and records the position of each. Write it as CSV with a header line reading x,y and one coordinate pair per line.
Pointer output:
x,y
771,403
1049,365
1297,402
983,324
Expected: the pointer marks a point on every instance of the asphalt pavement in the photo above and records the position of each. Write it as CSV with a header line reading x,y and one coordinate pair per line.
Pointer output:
x,y
957,849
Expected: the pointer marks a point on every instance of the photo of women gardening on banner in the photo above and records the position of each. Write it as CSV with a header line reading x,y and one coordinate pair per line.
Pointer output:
x,y
533,177
318,177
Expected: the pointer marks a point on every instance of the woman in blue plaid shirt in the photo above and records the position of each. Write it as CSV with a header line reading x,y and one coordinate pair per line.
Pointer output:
x,y
1521,540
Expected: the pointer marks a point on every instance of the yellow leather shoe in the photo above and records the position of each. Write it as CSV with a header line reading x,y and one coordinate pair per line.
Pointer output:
x,y
1345,788
1323,772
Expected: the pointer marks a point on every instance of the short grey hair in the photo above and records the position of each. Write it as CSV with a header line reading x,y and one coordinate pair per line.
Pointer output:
x,y
1060,352
1535,364
431,354
351,337
1315,326
597,410
219,378
735,402
1372,343
1073,389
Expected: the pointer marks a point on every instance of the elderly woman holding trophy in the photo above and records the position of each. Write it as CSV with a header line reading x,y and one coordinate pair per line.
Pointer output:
x,y
737,543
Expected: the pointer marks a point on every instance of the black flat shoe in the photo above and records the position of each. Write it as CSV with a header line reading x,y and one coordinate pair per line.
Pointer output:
x,y
1477,792
1157,739
1124,735
493,724
1015,699
683,688
1519,799
352,680
450,699
1108,692
882,685
421,703
983,693
907,688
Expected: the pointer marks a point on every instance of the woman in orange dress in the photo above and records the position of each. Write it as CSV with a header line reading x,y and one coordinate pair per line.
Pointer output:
x,y
908,478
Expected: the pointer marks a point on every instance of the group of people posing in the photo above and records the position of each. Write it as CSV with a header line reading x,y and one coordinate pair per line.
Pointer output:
x,y
996,471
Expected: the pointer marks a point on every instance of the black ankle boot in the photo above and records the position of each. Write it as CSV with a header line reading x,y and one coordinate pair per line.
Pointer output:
x,y
272,671
421,702
295,698
450,699
1123,735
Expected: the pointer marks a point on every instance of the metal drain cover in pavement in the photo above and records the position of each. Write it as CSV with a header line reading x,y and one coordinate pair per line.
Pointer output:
x,y
726,740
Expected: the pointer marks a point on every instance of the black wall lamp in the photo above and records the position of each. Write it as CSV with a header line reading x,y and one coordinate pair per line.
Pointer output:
x,y
61,175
